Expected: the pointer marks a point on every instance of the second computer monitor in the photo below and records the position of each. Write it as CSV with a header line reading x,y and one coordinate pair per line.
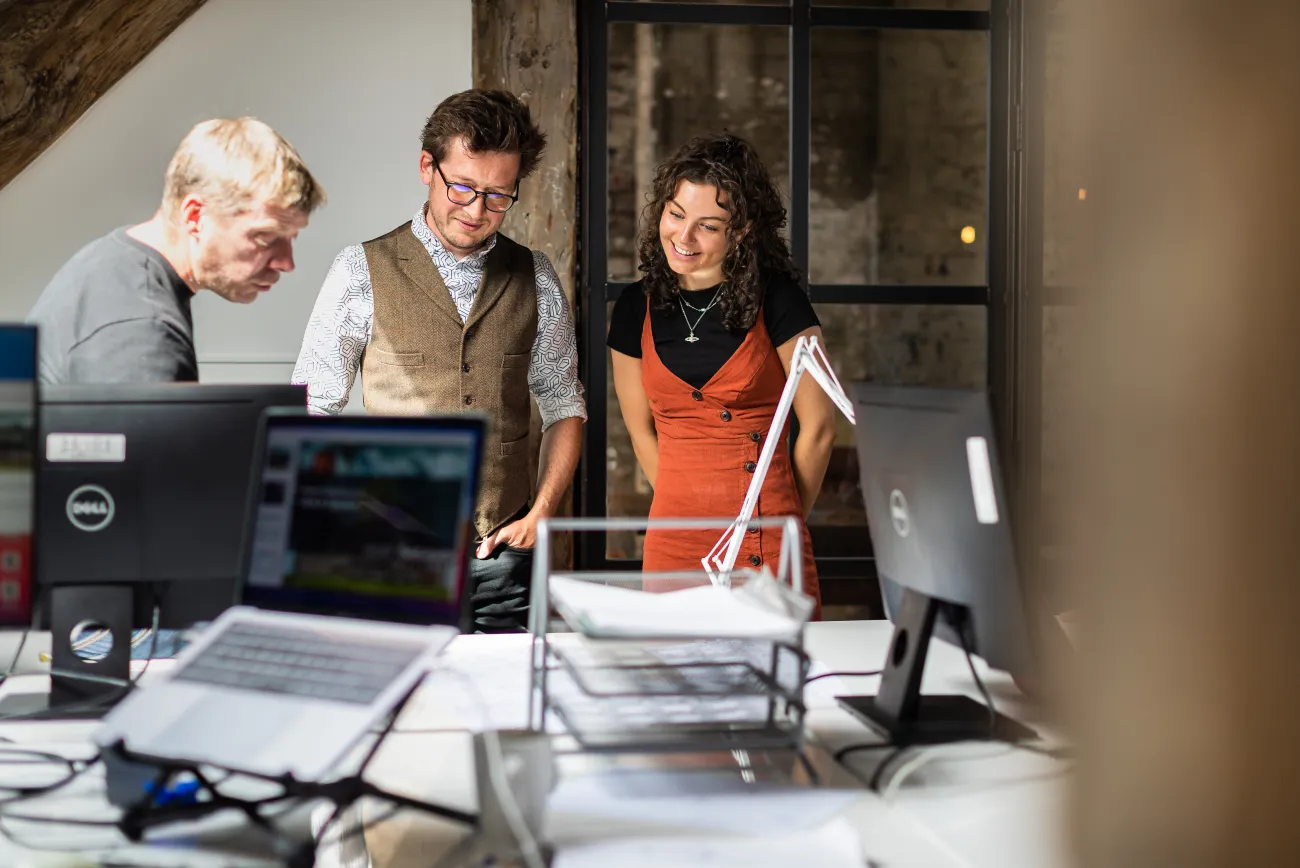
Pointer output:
x,y
942,538
146,485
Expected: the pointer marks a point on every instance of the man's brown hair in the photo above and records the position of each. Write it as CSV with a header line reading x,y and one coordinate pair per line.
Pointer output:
x,y
488,120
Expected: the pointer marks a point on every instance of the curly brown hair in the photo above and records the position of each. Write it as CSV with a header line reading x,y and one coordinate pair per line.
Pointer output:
x,y
732,166
488,120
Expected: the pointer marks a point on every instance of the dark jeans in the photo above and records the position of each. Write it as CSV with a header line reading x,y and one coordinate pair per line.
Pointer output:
x,y
500,586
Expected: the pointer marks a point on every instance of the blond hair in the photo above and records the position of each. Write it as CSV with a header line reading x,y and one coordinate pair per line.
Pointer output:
x,y
231,162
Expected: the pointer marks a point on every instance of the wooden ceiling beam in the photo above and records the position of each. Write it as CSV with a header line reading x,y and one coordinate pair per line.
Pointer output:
x,y
58,56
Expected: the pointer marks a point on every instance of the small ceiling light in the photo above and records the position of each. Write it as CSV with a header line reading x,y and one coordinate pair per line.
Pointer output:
x,y
968,234
1083,194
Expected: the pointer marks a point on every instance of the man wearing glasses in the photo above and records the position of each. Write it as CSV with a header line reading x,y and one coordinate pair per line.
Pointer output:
x,y
446,314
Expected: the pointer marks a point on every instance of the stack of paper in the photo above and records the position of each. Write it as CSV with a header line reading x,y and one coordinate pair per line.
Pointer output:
x,y
708,611
835,845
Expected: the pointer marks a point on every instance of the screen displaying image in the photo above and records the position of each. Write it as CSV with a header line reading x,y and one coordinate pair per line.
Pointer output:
x,y
17,471
371,522
378,519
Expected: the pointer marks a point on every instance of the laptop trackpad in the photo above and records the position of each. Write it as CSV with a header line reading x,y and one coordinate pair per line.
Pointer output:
x,y
224,726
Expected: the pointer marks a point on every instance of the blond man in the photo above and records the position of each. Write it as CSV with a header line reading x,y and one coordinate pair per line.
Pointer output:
x,y
235,197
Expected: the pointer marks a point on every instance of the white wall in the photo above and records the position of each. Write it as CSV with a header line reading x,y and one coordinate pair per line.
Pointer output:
x,y
348,82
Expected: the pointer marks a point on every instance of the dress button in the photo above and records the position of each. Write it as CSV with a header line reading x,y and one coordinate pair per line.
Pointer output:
x,y
469,400
465,368
726,415
752,529
755,560
697,395
749,465
755,436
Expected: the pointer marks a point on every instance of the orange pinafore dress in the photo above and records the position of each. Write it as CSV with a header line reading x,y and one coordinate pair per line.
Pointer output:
x,y
709,442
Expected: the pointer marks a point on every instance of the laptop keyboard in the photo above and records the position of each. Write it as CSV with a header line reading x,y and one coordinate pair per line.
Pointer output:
x,y
297,662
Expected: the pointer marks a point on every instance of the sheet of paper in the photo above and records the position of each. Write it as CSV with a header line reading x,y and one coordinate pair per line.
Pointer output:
x,y
835,845
692,800
608,611
479,682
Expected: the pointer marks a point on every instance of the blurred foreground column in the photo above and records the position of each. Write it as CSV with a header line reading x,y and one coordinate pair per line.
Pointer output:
x,y
1190,707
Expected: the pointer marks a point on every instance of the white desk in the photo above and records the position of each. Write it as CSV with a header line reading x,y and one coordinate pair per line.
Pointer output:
x,y
974,805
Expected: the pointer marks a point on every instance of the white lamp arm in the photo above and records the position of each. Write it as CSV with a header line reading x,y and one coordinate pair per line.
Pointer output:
x,y
808,356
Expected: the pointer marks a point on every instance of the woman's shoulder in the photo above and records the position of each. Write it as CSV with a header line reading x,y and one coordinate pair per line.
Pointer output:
x,y
631,301
627,320
787,309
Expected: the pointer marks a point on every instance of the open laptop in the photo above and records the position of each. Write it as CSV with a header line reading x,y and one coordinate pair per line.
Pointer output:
x,y
353,521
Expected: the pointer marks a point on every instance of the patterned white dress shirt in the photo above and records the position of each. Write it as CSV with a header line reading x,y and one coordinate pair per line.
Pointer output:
x,y
339,328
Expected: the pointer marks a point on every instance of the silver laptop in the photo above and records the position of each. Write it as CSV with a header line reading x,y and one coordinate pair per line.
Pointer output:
x,y
356,560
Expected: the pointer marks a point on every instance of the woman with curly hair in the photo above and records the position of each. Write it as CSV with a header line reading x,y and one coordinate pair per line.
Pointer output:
x,y
701,350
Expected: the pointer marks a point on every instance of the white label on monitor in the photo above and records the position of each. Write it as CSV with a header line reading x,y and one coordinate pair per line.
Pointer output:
x,y
981,480
102,448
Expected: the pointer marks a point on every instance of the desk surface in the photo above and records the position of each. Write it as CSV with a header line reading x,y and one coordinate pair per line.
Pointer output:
x,y
968,805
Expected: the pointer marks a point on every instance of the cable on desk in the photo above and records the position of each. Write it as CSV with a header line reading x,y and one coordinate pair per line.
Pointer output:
x,y
979,682
894,751
28,792
840,754
865,674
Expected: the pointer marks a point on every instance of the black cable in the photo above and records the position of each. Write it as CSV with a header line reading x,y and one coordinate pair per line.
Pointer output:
x,y
866,674
1054,753
26,792
979,682
840,754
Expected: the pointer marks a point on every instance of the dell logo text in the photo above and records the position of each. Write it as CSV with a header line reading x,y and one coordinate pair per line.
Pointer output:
x,y
90,508
898,514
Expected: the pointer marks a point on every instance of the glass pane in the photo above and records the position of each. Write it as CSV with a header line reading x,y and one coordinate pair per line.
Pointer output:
x,y
898,345
899,188
907,4
670,82
1065,188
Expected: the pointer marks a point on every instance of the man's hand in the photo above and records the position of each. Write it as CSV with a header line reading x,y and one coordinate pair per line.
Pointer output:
x,y
521,534
561,444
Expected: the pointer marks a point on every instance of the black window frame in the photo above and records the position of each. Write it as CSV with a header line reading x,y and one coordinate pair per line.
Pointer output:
x,y
1003,294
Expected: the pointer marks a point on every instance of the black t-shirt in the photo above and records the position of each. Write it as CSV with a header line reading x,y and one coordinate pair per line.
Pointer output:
x,y
786,312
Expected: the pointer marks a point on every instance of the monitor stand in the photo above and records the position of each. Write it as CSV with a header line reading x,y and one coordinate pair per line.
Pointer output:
x,y
71,607
901,713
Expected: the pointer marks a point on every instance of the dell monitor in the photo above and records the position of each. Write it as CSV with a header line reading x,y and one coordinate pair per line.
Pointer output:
x,y
17,471
142,503
937,512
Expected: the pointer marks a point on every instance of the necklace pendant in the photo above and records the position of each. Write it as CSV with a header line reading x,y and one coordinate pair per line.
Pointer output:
x,y
691,338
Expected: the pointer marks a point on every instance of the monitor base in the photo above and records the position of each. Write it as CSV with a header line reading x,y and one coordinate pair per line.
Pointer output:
x,y
37,706
939,719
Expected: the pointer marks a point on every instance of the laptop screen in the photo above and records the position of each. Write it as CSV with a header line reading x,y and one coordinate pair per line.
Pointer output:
x,y
366,517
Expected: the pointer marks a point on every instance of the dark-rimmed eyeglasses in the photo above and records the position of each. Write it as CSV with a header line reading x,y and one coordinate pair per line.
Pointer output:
x,y
460,194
